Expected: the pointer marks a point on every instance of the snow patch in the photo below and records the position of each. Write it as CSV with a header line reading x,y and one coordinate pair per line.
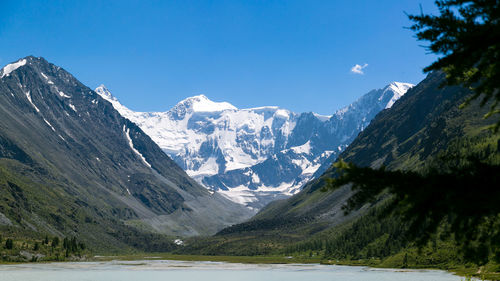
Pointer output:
x,y
302,149
255,178
63,95
322,118
28,95
202,104
281,113
11,67
240,194
50,125
209,167
72,107
131,144
341,112
399,89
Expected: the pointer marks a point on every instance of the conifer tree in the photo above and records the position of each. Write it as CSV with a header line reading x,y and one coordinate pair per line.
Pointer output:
x,y
466,34
55,242
9,244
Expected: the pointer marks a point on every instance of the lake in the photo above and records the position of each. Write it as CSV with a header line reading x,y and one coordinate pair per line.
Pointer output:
x,y
152,270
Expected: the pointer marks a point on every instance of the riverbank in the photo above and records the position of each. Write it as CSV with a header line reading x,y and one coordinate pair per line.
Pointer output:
x,y
483,272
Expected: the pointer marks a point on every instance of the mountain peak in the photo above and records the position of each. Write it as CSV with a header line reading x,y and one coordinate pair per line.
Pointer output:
x,y
385,97
400,86
398,89
102,87
37,65
199,103
6,70
104,92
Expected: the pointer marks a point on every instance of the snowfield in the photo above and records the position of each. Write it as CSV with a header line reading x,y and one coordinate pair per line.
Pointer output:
x,y
256,155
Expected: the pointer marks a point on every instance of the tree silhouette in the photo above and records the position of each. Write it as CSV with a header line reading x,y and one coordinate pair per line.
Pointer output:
x,y
463,198
9,244
467,35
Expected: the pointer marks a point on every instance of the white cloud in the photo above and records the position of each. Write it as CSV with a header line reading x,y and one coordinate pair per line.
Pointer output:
x,y
358,69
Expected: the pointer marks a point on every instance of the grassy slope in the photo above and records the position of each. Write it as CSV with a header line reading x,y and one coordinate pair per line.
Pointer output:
x,y
32,201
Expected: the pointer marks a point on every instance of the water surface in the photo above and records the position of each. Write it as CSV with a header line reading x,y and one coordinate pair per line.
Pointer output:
x,y
152,270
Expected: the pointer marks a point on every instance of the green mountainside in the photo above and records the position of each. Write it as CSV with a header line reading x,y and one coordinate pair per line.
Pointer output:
x,y
72,166
424,124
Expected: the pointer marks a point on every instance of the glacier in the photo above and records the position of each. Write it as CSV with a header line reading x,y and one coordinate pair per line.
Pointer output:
x,y
255,155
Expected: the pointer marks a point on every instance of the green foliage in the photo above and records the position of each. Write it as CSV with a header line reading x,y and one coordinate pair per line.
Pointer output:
x,y
466,34
23,246
72,246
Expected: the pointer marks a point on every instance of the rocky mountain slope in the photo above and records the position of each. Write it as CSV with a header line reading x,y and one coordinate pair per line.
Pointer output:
x,y
70,164
255,155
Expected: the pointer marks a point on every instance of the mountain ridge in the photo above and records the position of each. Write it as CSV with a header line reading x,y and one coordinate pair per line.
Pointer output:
x,y
239,152
105,170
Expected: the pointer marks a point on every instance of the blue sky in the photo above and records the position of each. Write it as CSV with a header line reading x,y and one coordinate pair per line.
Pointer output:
x,y
151,54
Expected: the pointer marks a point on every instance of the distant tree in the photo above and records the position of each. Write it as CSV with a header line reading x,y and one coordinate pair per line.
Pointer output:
x,y
9,244
36,247
55,242
466,34
73,245
46,240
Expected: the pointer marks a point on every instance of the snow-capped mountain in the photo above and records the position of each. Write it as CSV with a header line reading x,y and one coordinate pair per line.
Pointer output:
x,y
255,155
207,138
